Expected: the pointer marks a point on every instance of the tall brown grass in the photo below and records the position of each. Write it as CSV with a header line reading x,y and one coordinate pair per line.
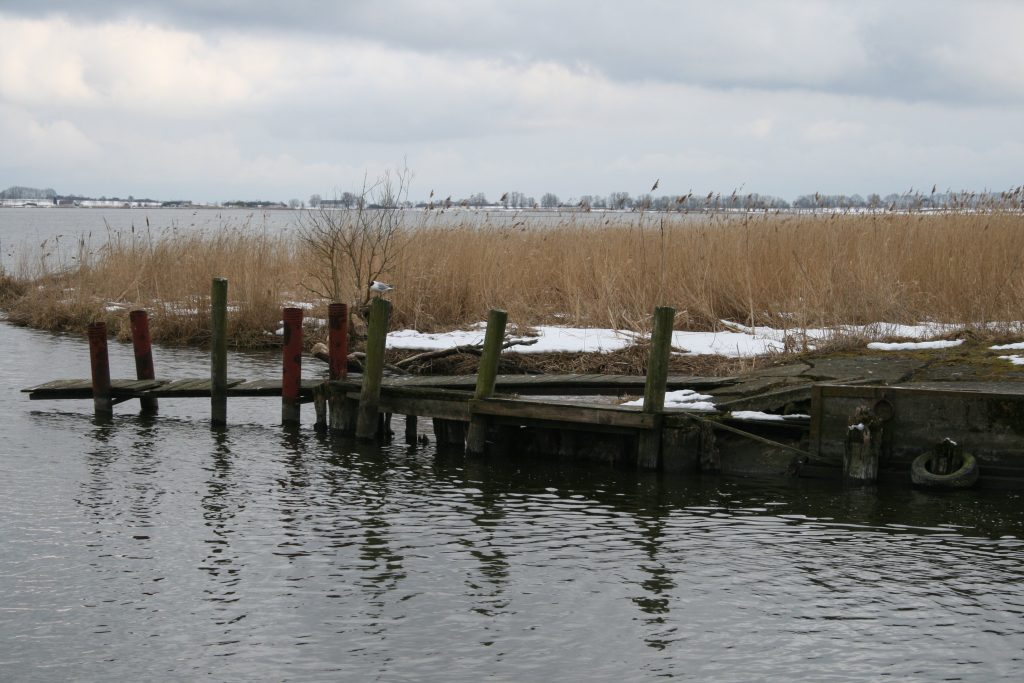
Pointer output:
x,y
782,270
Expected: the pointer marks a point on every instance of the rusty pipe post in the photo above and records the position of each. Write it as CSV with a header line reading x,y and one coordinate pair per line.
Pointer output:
x,y
100,365
219,352
291,365
337,340
142,343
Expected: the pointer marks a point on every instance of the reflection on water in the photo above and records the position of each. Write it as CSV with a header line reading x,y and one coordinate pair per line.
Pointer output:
x,y
154,548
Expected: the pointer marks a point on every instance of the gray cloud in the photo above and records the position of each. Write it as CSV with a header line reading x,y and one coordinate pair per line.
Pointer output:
x,y
917,49
218,100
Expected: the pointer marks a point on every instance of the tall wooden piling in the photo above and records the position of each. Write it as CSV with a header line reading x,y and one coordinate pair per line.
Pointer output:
x,y
291,366
99,363
219,352
649,443
476,439
142,344
368,421
337,340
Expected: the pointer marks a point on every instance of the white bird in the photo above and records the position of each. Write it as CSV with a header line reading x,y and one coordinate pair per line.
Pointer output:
x,y
380,287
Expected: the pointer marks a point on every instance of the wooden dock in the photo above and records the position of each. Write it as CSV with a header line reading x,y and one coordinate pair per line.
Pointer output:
x,y
855,420
479,413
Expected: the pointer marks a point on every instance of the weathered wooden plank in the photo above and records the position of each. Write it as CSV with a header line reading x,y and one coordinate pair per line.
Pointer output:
x,y
446,404
57,389
59,384
82,389
612,416
188,388
430,393
445,410
769,400
271,387
135,385
558,383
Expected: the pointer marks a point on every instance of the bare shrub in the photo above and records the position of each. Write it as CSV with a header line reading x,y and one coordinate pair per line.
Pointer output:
x,y
350,247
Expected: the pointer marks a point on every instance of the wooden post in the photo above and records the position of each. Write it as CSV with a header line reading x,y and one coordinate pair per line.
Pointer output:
x,y
320,406
219,352
337,340
411,438
948,457
291,365
860,456
649,443
142,343
342,411
100,365
476,439
863,446
368,422
657,364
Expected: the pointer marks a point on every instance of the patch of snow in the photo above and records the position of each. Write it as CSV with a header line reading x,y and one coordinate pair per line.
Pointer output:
x,y
549,340
1008,347
911,346
686,399
730,344
758,415
736,341
1015,359
411,339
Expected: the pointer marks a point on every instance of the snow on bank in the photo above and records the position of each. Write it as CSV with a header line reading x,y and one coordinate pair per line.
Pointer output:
x,y
549,340
1016,346
731,344
913,346
738,341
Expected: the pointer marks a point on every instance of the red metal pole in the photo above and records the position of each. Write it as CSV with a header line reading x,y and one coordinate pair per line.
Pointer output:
x,y
291,376
337,320
143,345
100,365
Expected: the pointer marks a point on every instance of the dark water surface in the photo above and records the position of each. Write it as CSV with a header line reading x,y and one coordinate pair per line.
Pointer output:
x,y
158,549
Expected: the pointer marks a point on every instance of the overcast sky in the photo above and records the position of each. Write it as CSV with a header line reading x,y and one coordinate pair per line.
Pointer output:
x,y
259,99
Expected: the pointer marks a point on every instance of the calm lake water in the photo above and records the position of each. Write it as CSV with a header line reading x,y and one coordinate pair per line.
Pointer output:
x,y
159,549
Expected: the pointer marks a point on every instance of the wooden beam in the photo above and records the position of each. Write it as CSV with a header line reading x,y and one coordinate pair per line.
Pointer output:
x,y
649,446
612,416
476,438
368,421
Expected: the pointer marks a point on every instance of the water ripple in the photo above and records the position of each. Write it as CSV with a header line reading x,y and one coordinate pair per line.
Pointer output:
x,y
257,553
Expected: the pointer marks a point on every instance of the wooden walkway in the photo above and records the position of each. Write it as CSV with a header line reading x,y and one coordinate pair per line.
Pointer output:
x,y
533,385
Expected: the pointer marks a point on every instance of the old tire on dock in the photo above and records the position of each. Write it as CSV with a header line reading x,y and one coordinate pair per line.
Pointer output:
x,y
965,477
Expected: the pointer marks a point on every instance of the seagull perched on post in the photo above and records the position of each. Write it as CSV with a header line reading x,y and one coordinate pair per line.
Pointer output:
x,y
380,287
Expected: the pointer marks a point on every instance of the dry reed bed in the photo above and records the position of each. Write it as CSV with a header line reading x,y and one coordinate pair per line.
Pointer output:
x,y
781,270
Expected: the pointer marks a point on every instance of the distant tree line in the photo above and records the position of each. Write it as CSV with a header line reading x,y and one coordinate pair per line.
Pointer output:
x,y
910,200
19,192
